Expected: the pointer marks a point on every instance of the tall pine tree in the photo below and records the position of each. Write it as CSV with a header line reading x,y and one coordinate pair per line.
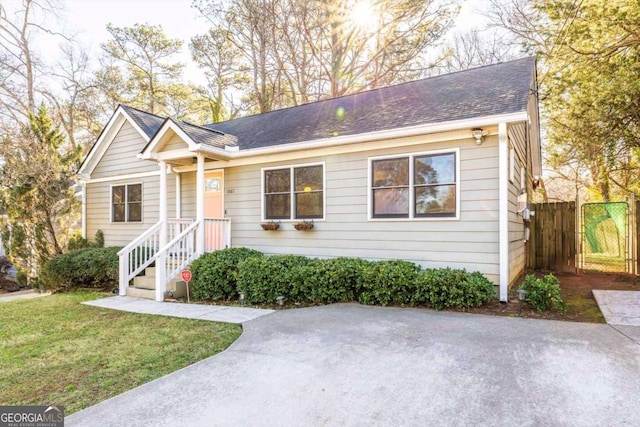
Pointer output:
x,y
37,192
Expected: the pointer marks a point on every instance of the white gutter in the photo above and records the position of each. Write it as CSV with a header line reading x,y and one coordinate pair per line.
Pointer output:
x,y
503,189
84,209
226,154
383,134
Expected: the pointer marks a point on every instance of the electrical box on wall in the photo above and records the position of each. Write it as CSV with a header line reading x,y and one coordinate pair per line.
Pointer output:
x,y
522,202
527,214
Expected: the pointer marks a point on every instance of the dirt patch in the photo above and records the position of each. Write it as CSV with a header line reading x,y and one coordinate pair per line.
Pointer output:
x,y
576,291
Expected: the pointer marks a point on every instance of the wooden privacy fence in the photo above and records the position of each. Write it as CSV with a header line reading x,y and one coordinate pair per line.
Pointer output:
x,y
552,237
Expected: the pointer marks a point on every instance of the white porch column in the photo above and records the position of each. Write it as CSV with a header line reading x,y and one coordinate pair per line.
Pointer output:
x,y
503,186
200,204
178,195
161,262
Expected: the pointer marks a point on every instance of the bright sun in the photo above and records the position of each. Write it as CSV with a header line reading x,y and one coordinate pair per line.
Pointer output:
x,y
363,15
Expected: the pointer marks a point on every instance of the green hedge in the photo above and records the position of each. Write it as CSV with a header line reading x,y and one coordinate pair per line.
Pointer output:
x,y
223,274
337,279
451,288
82,268
388,282
215,274
263,279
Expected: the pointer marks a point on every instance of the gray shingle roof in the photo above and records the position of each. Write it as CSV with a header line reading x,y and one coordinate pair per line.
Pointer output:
x,y
484,91
202,135
149,123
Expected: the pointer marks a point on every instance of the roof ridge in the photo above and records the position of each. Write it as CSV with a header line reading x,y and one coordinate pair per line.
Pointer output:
x,y
125,106
199,126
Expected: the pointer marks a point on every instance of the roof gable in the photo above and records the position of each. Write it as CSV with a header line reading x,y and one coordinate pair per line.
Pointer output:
x,y
143,123
147,122
195,137
485,91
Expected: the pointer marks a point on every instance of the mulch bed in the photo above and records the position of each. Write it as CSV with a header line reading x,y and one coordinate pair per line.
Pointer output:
x,y
576,293
574,288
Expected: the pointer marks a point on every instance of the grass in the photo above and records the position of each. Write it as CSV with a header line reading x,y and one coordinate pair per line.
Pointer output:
x,y
53,350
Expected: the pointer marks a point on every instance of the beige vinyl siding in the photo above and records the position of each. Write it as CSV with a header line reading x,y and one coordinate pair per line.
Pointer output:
x,y
120,158
188,192
517,245
121,233
175,143
471,242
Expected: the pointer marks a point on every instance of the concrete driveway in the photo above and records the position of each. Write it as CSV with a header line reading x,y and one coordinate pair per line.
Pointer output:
x,y
348,364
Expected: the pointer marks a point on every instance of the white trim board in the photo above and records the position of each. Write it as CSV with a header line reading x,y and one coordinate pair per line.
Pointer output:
x,y
432,132
503,188
122,177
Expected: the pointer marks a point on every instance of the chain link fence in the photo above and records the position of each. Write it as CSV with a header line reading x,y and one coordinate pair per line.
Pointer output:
x,y
604,243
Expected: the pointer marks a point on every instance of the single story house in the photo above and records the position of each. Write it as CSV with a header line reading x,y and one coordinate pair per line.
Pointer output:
x,y
436,171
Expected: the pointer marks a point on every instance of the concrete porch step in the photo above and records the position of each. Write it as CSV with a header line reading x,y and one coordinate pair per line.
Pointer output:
x,y
145,286
132,291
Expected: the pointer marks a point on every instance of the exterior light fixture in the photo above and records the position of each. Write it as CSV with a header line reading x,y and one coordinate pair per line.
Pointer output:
x,y
280,301
242,299
522,295
479,134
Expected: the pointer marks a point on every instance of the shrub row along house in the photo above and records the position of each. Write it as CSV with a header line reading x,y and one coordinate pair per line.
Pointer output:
x,y
436,171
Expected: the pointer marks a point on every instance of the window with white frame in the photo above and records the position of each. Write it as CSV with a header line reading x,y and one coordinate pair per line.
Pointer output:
x,y
414,186
126,203
295,192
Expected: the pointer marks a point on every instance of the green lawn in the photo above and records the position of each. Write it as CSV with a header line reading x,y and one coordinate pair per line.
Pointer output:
x,y
55,350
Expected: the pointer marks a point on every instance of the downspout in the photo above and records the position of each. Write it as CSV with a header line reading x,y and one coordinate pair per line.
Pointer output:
x,y
503,188
161,262
83,184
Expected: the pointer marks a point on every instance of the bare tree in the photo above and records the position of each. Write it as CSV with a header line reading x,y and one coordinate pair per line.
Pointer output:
x,y
476,48
304,51
20,66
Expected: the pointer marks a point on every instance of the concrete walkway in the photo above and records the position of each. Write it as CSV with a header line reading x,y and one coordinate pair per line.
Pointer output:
x,y
621,310
353,365
214,313
619,307
20,295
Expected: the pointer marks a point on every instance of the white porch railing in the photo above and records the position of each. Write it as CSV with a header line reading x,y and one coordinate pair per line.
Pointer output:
x,y
182,249
176,226
138,255
175,256
141,252
217,234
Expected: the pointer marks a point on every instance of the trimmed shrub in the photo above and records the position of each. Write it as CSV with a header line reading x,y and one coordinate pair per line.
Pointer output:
x,y
263,279
82,268
215,274
452,288
338,279
543,294
388,282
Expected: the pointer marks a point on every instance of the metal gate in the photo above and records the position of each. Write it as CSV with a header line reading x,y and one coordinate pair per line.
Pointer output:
x,y
608,237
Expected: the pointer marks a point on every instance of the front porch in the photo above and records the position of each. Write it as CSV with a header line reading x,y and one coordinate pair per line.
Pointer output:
x,y
171,245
